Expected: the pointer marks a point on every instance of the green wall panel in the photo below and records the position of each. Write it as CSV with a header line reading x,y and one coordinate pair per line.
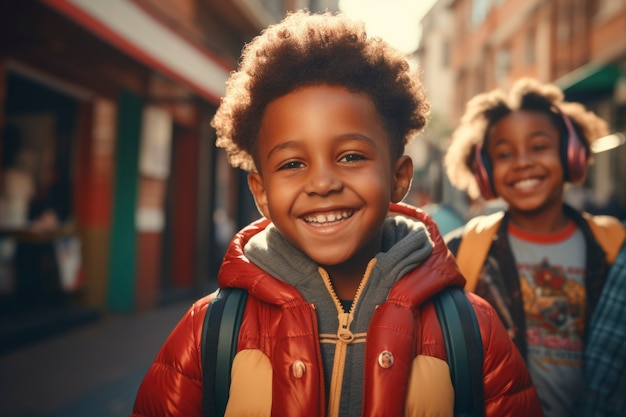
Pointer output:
x,y
122,264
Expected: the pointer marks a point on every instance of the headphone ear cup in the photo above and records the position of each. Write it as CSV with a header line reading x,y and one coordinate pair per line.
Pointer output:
x,y
573,154
482,172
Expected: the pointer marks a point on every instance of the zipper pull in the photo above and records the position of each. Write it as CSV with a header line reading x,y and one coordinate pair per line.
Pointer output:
x,y
344,334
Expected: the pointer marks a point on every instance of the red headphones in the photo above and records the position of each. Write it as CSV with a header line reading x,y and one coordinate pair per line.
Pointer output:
x,y
573,159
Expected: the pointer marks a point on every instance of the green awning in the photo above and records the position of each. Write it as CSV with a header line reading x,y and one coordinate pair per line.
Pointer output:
x,y
589,81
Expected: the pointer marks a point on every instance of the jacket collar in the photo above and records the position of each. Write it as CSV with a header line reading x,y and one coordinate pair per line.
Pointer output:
x,y
417,285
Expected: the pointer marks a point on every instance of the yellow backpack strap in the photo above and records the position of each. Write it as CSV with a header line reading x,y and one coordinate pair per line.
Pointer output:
x,y
475,243
609,232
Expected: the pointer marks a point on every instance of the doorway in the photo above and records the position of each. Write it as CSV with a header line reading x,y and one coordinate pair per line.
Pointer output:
x,y
39,247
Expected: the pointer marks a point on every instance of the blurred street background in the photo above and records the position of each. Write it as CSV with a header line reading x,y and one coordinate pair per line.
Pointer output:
x,y
92,371
116,207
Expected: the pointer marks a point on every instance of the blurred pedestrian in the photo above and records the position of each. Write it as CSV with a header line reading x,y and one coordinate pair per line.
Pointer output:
x,y
338,274
540,263
605,354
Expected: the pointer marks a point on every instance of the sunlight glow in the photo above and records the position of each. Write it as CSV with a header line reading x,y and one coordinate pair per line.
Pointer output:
x,y
396,21
607,143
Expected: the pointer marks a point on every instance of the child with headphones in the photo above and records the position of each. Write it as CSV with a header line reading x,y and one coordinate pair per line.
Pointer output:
x,y
540,263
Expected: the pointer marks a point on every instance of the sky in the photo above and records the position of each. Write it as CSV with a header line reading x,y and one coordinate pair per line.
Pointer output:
x,y
396,21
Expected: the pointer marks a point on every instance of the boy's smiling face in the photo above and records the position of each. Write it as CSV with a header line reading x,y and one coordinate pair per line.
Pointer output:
x,y
326,174
523,148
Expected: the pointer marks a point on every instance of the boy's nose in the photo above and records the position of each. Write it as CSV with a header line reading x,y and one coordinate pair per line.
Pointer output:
x,y
322,180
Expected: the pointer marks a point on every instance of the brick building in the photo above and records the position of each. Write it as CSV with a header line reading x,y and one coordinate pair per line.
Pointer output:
x,y
578,44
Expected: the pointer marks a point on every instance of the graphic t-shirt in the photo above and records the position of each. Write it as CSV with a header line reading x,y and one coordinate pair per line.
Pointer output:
x,y
551,269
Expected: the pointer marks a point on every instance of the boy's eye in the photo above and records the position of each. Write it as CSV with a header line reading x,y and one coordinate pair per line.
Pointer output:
x,y
352,157
291,165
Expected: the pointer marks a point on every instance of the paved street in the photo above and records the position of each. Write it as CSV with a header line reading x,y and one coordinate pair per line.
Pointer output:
x,y
90,371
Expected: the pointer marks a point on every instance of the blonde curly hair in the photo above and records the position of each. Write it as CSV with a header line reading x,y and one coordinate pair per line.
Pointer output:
x,y
307,49
485,109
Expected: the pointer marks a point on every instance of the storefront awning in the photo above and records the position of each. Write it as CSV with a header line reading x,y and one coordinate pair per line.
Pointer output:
x,y
131,29
589,81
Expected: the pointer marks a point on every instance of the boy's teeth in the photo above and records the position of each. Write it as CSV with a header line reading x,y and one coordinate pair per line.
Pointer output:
x,y
325,218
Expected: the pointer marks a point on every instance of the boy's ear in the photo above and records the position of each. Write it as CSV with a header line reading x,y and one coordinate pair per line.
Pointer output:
x,y
255,183
402,178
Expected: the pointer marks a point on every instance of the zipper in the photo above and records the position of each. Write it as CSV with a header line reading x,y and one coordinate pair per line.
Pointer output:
x,y
344,337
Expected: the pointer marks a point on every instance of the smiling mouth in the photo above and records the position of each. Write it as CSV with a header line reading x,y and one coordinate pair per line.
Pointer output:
x,y
328,219
526,184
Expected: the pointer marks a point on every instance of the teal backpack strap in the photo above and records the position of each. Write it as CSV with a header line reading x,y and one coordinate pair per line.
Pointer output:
x,y
221,328
464,350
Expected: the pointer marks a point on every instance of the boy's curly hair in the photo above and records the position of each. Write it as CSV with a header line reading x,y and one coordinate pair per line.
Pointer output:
x,y
485,109
309,49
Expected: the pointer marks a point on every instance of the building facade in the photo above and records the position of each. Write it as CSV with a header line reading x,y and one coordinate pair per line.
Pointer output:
x,y
112,192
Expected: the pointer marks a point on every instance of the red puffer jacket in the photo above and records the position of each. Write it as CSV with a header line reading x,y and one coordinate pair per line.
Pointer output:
x,y
278,368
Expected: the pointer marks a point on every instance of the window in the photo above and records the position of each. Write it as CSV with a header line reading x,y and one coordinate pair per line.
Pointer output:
x,y
564,26
529,47
479,11
503,63
607,8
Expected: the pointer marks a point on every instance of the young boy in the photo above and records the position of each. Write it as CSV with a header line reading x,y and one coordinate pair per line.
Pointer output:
x,y
339,276
544,266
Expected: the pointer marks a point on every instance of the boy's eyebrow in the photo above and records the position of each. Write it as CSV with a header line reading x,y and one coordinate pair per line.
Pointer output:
x,y
351,136
345,137
281,146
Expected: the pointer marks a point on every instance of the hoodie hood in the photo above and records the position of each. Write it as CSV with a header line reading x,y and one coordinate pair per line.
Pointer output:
x,y
413,264
423,256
